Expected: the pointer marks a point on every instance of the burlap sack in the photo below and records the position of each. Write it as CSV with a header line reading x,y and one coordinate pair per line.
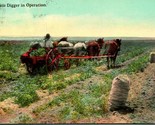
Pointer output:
x,y
152,57
119,92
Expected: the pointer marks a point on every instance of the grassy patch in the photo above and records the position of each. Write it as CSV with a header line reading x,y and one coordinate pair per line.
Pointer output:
x,y
10,54
23,118
137,65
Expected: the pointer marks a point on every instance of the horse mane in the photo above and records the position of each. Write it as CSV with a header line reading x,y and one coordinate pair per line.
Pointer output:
x,y
118,41
63,39
100,39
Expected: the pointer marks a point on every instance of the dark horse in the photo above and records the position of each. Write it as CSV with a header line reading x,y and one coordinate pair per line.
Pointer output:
x,y
94,47
111,48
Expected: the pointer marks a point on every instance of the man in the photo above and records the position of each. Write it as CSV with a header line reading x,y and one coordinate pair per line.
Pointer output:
x,y
46,41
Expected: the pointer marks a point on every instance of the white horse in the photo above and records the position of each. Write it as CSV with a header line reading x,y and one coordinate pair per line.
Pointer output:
x,y
65,44
79,50
65,47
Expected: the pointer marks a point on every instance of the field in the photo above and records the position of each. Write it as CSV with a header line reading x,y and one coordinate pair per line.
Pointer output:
x,y
79,94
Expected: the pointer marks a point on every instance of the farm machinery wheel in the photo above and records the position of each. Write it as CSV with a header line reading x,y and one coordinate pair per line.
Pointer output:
x,y
52,60
66,64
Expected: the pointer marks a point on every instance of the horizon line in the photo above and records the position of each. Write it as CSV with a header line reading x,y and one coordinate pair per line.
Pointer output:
x,y
86,36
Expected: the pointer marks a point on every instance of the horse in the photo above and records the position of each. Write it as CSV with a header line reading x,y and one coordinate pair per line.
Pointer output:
x,y
79,50
65,44
63,39
94,46
112,47
55,43
63,47
61,44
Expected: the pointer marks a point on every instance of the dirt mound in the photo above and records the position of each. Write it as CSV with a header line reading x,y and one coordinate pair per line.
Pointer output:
x,y
142,94
8,106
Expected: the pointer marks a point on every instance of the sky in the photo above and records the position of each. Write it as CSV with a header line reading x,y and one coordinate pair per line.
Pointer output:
x,y
104,18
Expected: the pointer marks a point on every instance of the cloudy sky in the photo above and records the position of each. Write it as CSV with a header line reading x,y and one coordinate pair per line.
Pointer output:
x,y
115,18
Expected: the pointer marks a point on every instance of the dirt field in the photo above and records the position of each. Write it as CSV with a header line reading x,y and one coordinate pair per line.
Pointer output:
x,y
141,98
